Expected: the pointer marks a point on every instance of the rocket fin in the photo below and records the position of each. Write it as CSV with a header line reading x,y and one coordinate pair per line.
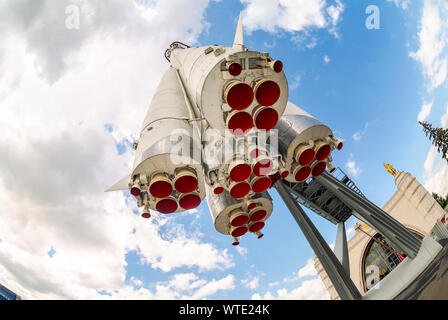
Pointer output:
x,y
123,184
239,35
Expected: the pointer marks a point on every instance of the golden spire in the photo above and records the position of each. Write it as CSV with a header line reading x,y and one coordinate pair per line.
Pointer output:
x,y
390,169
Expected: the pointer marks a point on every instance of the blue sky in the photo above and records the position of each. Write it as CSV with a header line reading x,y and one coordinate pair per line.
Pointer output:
x,y
73,101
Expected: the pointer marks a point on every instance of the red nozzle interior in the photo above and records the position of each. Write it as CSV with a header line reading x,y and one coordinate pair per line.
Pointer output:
x,y
278,66
274,178
306,157
258,215
186,184
240,96
251,206
238,232
268,93
261,185
339,146
240,123
135,191
146,215
239,221
319,168
285,174
190,201
161,189
240,190
166,206
240,172
257,226
254,153
218,190
263,167
235,69
323,152
266,119
302,174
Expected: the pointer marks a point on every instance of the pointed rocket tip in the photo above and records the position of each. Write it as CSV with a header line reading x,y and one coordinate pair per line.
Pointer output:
x,y
239,35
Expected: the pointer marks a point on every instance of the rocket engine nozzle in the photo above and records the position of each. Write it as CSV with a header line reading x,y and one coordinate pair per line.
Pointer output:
x,y
257,214
238,218
239,95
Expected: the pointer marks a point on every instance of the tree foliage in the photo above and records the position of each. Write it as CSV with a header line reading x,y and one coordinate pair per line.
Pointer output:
x,y
443,201
438,137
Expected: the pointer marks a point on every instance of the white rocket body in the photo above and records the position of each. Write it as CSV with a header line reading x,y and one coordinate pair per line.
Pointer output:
x,y
218,89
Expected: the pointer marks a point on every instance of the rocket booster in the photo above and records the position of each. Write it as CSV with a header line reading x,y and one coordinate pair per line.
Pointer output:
x,y
220,127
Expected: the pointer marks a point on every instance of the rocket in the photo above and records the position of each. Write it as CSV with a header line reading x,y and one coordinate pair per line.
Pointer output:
x,y
220,127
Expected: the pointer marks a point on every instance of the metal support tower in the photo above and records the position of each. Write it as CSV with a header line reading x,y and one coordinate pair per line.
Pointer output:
x,y
341,247
368,212
336,272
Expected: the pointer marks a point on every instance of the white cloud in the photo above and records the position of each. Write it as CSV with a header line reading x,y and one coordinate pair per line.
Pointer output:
x,y
435,173
401,3
429,162
444,119
292,15
295,83
251,283
241,250
352,167
312,289
433,38
275,283
180,286
326,59
308,270
438,182
357,136
62,88
425,111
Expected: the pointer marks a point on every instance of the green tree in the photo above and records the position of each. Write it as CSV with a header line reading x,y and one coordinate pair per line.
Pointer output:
x,y
438,136
443,201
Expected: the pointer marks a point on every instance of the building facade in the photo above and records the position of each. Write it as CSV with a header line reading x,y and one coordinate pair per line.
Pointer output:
x,y
371,256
